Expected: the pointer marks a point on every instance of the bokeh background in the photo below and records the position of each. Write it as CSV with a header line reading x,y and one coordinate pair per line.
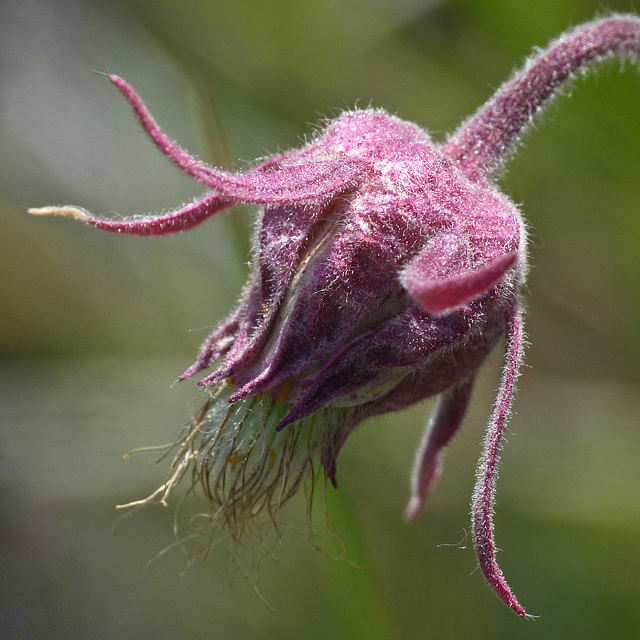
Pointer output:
x,y
94,328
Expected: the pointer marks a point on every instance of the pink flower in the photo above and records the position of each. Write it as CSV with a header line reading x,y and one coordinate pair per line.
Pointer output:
x,y
386,268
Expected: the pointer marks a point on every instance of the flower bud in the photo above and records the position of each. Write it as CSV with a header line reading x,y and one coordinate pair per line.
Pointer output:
x,y
386,268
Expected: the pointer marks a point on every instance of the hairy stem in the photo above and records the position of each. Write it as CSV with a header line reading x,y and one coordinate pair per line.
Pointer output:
x,y
482,142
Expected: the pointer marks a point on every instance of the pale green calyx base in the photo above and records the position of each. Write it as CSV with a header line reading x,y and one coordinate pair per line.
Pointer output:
x,y
242,468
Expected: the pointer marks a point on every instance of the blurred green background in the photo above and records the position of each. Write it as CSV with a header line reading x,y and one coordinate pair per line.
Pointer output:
x,y
94,328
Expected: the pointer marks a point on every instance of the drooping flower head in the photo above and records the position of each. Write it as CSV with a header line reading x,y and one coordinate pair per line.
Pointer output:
x,y
386,267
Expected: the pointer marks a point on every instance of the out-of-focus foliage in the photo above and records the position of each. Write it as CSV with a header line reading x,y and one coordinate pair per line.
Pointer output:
x,y
84,314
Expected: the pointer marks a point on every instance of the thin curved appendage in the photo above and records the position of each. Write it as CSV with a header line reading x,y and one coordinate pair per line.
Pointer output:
x,y
267,184
180,220
217,344
481,143
484,492
443,425
183,160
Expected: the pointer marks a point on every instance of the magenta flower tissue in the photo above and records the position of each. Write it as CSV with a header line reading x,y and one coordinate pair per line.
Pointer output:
x,y
386,267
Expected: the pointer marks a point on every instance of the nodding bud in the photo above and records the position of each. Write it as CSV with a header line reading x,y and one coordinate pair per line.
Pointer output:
x,y
386,267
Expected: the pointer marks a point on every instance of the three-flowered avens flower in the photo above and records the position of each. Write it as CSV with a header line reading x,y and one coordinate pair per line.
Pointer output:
x,y
386,267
